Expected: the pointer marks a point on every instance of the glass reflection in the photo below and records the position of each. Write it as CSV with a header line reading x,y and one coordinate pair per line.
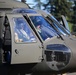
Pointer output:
x,y
22,31
59,27
43,27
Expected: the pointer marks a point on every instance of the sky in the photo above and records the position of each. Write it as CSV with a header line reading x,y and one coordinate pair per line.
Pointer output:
x,y
30,2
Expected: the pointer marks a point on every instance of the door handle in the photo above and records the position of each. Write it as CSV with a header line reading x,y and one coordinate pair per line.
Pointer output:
x,y
16,51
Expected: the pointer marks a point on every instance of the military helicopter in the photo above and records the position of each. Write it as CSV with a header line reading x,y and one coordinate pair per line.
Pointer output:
x,y
33,42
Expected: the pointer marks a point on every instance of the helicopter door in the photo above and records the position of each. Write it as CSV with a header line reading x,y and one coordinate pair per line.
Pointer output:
x,y
26,47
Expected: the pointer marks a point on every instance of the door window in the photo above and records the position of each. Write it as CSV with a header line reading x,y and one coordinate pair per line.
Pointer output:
x,y
22,31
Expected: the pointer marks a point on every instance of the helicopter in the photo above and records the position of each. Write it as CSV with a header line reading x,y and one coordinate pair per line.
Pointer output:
x,y
33,42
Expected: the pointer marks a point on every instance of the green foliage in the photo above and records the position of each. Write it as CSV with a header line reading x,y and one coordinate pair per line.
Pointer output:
x,y
74,14
70,26
62,7
74,17
59,7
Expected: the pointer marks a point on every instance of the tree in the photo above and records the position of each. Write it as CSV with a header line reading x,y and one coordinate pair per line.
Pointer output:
x,y
63,8
74,17
59,7
38,4
49,6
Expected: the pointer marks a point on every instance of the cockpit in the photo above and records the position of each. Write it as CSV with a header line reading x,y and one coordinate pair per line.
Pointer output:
x,y
55,24
26,29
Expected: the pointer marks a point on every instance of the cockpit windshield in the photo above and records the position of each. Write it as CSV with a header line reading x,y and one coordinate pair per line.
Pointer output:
x,y
58,26
43,27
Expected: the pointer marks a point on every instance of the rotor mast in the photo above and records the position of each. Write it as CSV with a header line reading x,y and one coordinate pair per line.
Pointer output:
x,y
23,1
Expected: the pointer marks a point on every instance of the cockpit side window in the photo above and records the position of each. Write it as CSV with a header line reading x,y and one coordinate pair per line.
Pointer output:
x,y
58,27
22,31
43,27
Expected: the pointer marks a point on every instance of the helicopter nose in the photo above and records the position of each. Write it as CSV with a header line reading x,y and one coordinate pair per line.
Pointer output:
x,y
57,56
